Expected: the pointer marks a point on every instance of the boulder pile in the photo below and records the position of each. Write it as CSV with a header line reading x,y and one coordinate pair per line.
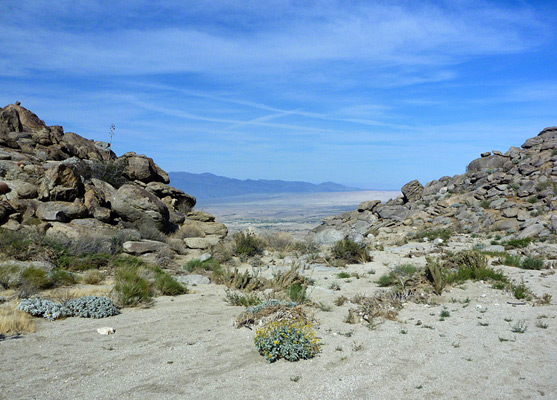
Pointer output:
x,y
513,194
65,184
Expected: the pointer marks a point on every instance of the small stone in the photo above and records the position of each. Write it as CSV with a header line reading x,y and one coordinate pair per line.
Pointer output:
x,y
106,330
205,257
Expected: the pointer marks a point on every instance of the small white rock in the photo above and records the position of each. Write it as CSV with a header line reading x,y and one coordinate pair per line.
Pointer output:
x,y
106,330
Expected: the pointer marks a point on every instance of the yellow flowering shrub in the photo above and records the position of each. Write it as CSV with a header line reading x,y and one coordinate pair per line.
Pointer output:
x,y
292,340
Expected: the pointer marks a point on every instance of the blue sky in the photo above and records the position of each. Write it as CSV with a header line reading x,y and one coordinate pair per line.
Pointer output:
x,y
366,93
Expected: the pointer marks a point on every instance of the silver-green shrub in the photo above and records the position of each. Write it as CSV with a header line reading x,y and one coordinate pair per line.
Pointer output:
x,y
86,307
91,307
48,309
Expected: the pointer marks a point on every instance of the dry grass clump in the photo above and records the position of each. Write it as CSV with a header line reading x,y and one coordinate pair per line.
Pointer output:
x,y
235,279
221,252
13,322
280,241
188,231
92,277
384,304
285,280
272,311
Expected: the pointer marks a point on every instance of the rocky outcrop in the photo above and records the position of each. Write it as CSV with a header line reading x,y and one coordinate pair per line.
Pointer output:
x,y
514,194
66,184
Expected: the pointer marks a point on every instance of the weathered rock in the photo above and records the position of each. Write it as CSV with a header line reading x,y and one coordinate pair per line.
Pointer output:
x,y
200,216
202,243
506,224
412,191
137,205
5,211
328,237
77,146
501,192
530,231
368,205
27,191
144,246
552,225
495,248
60,183
193,279
9,121
485,163
61,211
142,168
69,175
397,213
179,200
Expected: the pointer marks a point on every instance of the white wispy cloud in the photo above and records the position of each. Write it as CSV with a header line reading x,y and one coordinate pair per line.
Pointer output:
x,y
377,34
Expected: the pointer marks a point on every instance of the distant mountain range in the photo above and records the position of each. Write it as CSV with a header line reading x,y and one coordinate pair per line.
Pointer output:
x,y
208,186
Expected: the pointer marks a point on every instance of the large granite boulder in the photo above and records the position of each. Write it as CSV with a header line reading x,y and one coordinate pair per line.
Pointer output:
x,y
412,191
9,121
137,205
171,196
142,168
61,211
487,163
61,183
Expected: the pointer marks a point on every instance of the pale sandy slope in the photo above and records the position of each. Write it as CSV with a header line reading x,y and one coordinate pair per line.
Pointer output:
x,y
186,347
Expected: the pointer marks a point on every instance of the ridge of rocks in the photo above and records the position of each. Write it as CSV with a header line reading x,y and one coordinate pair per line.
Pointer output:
x,y
513,194
62,183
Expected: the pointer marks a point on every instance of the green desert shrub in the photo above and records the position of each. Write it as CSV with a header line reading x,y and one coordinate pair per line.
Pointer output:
x,y
168,286
15,244
242,299
137,282
444,234
517,243
131,288
532,263
297,292
462,266
247,244
521,291
83,262
463,274
201,266
532,200
512,260
468,259
291,340
35,278
350,251
59,277
399,274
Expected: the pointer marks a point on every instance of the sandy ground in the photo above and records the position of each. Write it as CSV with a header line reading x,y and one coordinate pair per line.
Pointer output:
x,y
187,348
